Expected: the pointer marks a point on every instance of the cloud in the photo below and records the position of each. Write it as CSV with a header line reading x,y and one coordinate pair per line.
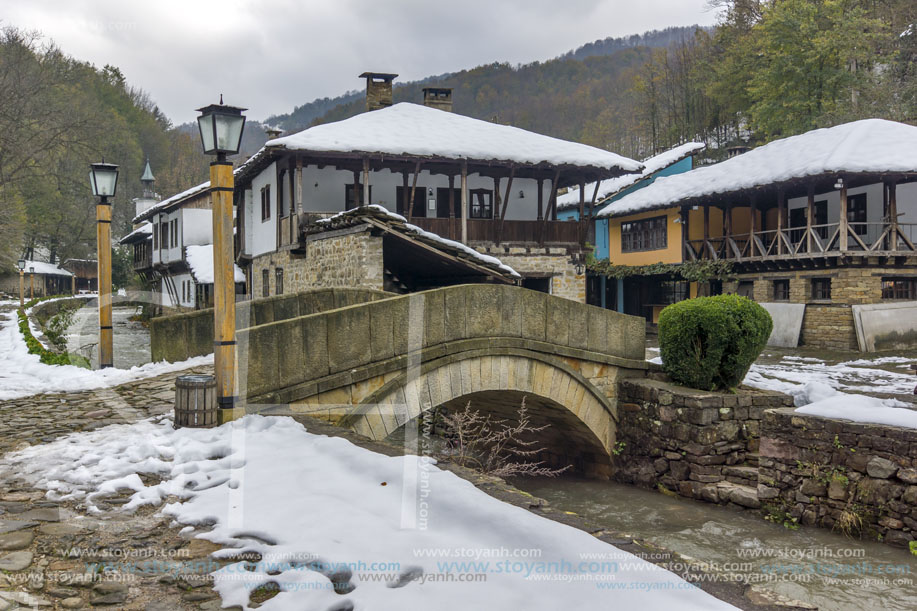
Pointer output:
x,y
272,55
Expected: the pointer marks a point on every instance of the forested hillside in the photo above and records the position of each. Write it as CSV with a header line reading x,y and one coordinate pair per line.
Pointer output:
x,y
57,115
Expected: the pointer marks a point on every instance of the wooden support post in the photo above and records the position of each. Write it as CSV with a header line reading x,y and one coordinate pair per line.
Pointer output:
x,y
355,199
752,225
413,190
892,214
706,247
103,241
464,202
684,213
844,226
781,219
366,198
21,288
595,195
552,205
582,211
506,196
224,289
405,207
810,215
452,231
540,199
299,203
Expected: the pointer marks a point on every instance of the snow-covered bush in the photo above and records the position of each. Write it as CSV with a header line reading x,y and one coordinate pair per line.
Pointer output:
x,y
710,342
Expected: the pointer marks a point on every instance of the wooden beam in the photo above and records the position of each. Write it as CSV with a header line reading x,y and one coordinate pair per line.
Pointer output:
x,y
684,213
506,196
810,215
540,199
366,200
891,193
356,189
405,193
595,194
844,227
752,224
413,190
452,230
781,218
464,202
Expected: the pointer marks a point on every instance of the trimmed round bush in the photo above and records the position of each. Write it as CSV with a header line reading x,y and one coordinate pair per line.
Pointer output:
x,y
710,342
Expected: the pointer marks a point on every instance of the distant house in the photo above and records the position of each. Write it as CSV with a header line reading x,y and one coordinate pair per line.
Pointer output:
x,y
488,186
165,232
825,220
673,161
42,279
85,274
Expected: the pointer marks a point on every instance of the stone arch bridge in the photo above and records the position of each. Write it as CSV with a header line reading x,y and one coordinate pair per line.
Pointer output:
x,y
377,366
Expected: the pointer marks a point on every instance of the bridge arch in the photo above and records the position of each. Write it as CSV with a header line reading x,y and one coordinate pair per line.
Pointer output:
x,y
582,418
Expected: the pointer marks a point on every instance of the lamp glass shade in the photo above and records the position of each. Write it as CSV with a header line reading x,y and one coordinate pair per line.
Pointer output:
x,y
221,128
21,264
103,177
31,270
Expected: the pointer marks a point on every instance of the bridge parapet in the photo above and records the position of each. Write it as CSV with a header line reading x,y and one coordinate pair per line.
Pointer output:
x,y
288,360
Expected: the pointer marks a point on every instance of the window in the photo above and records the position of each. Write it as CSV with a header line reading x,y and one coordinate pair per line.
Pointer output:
x,y
420,198
781,290
155,240
746,288
856,213
899,288
265,283
482,204
265,203
164,235
648,234
282,207
278,281
348,196
821,289
174,240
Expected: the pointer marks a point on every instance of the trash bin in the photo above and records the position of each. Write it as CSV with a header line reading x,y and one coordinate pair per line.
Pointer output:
x,y
195,401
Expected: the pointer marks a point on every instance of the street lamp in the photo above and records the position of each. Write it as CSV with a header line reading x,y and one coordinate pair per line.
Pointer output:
x,y
221,135
31,283
21,264
103,178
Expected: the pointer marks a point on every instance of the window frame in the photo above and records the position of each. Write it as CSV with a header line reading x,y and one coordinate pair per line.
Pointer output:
x,y
485,209
265,282
820,289
278,281
645,235
265,203
781,289
899,288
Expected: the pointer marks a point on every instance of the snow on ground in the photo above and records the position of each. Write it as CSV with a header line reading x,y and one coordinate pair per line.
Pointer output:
x,y
818,387
23,374
401,532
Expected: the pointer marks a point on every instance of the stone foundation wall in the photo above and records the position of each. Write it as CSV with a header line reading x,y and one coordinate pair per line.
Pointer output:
x,y
843,475
346,259
828,323
553,262
691,442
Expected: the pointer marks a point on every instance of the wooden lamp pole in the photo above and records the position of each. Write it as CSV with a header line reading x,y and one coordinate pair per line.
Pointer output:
x,y
104,181
221,135
21,264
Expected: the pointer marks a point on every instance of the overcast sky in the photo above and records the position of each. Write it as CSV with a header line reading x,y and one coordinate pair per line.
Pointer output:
x,y
272,55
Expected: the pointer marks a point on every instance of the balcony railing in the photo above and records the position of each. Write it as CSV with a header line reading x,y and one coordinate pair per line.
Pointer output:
x,y
812,241
510,232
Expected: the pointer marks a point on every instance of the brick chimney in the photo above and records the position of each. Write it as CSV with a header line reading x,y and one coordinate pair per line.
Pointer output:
x,y
378,89
438,97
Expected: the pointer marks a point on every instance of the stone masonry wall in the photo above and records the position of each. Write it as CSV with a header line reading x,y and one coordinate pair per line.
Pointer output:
x,y
346,259
543,261
691,442
839,474
828,323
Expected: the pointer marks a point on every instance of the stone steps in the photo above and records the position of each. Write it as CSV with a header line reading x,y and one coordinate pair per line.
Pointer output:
x,y
742,475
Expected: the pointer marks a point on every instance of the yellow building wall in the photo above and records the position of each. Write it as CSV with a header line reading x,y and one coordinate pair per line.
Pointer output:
x,y
696,223
670,254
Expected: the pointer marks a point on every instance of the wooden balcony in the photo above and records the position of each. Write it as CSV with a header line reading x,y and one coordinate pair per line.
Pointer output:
x,y
810,243
548,233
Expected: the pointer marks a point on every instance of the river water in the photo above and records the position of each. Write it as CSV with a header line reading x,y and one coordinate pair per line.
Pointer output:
x,y
131,343
811,565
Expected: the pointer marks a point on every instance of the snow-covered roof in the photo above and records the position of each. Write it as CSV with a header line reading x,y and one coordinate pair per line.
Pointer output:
x,y
613,186
161,206
144,231
47,269
869,145
412,129
200,263
396,221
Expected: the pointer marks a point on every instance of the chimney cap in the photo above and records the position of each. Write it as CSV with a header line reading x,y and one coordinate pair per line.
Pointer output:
x,y
379,76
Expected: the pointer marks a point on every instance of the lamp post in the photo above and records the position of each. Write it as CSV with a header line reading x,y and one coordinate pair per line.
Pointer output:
x,y
21,264
31,283
221,135
103,178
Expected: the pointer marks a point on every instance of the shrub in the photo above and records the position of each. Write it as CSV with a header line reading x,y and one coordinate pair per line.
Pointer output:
x,y
46,356
710,342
